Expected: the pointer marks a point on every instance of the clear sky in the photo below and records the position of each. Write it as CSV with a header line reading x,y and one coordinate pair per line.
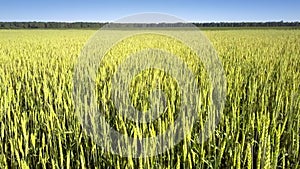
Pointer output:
x,y
110,10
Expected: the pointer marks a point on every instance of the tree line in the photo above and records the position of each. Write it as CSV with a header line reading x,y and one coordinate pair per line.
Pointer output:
x,y
249,24
94,25
50,25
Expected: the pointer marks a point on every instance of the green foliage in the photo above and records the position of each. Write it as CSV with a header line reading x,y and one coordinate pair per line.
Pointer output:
x,y
259,128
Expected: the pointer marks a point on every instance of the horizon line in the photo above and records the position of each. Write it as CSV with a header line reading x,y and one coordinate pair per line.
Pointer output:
x,y
262,21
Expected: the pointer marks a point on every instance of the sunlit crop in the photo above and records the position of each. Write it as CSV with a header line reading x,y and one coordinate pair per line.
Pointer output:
x,y
259,127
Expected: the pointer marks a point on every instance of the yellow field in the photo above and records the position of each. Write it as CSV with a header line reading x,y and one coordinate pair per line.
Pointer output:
x,y
259,127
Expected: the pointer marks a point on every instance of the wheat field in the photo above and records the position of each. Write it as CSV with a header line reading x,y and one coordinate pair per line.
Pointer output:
x,y
259,127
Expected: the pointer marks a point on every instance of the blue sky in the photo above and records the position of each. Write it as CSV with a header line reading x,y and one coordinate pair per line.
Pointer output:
x,y
110,10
